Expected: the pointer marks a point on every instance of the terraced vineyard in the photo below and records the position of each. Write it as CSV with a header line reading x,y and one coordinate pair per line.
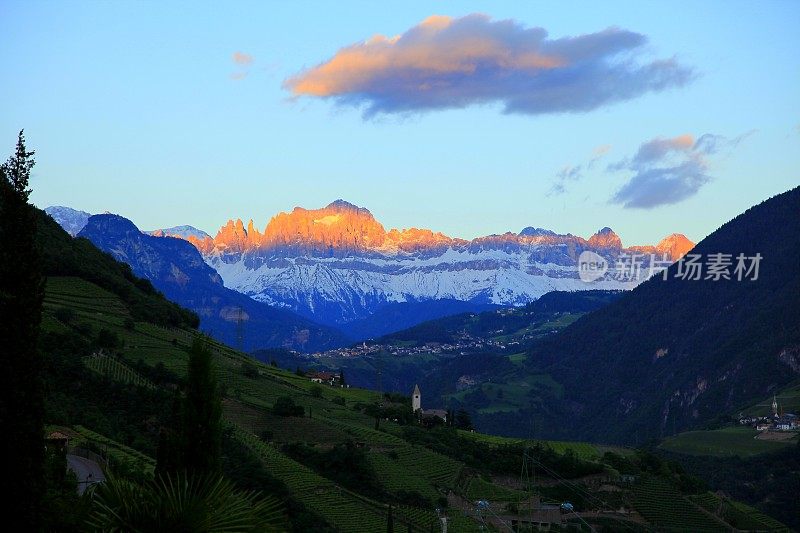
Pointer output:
x,y
737,514
754,519
82,296
478,489
666,508
395,478
113,368
582,450
439,470
283,429
345,510
120,453
366,434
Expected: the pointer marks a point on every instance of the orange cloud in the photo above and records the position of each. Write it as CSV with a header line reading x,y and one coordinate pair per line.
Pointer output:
x,y
454,62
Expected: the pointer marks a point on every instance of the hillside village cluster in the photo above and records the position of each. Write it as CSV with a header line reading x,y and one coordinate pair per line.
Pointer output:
x,y
463,345
778,421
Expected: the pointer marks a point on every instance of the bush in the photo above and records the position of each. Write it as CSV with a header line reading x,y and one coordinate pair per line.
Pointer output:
x,y
316,391
249,370
107,340
285,406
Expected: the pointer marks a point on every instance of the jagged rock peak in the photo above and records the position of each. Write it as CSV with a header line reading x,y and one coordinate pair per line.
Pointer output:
x,y
605,238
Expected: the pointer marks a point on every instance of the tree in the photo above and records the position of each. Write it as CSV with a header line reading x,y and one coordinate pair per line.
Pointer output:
x,y
341,378
182,502
202,412
390,522
21,295
463,420
285,406
169,454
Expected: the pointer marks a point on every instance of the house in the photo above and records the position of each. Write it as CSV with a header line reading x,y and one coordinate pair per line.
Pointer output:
x,y
762,426
329,378
787,422
58,440
432,414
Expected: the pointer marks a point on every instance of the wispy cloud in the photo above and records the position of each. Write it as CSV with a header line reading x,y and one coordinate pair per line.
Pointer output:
x,y
446,62
240,58
242,62
574,173
670,170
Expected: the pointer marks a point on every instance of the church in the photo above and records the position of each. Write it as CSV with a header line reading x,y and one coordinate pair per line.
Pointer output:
x,y
429,415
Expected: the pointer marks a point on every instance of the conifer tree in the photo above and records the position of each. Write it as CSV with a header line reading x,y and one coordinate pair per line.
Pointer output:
x,y
169,455
202,415
21,294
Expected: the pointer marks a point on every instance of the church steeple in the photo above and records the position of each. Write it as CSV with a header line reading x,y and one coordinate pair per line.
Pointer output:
x,y
774,406
416,399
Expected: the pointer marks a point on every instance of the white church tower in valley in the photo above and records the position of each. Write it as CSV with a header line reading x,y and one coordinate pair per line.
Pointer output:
x,y
416,399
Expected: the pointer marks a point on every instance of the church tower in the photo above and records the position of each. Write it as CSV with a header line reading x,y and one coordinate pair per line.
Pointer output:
x,y
416,399
774,406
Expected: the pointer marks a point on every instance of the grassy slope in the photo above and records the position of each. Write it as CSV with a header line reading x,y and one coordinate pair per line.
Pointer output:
x,y
401,465
732,441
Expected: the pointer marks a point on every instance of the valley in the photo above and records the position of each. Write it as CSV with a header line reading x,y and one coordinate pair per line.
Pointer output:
x,y
405,470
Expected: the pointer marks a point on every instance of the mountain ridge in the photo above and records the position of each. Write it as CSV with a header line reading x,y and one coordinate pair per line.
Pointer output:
x,y
177,269
338,264
345,227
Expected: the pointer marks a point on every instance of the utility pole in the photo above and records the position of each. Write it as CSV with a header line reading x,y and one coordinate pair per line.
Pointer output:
x,y
240,328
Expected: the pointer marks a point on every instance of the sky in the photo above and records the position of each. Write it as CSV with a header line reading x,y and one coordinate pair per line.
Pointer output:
x,y
466,118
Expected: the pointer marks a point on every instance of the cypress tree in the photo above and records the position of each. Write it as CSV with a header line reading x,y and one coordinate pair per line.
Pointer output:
x,y
21,294
169,455
202,414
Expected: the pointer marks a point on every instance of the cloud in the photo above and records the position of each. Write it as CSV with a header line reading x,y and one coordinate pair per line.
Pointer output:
x,y
243,62
600,151
575,172
242,59
669,170
445,63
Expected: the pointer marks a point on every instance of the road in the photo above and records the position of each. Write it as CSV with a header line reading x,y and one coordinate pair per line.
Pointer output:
x,y
86,470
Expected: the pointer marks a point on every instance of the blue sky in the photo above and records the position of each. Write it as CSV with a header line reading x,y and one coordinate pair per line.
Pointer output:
x,y
133,108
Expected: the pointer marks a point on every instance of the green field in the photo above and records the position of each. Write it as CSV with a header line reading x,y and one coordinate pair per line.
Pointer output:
x,y
727,442
334,416
583,450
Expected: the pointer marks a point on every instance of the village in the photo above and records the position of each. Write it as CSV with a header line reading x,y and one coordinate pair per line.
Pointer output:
x,y
778,421
464,345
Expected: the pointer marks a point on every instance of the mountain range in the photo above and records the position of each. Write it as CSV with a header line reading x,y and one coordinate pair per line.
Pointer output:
x,y
177,269
338,264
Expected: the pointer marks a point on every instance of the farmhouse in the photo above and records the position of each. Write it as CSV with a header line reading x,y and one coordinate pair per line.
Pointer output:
x,y
324,377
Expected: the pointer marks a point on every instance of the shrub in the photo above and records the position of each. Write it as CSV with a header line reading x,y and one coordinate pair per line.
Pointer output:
x,y
285,406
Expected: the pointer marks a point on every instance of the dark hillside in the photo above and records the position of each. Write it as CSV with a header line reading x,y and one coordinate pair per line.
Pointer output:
x,y
676,354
